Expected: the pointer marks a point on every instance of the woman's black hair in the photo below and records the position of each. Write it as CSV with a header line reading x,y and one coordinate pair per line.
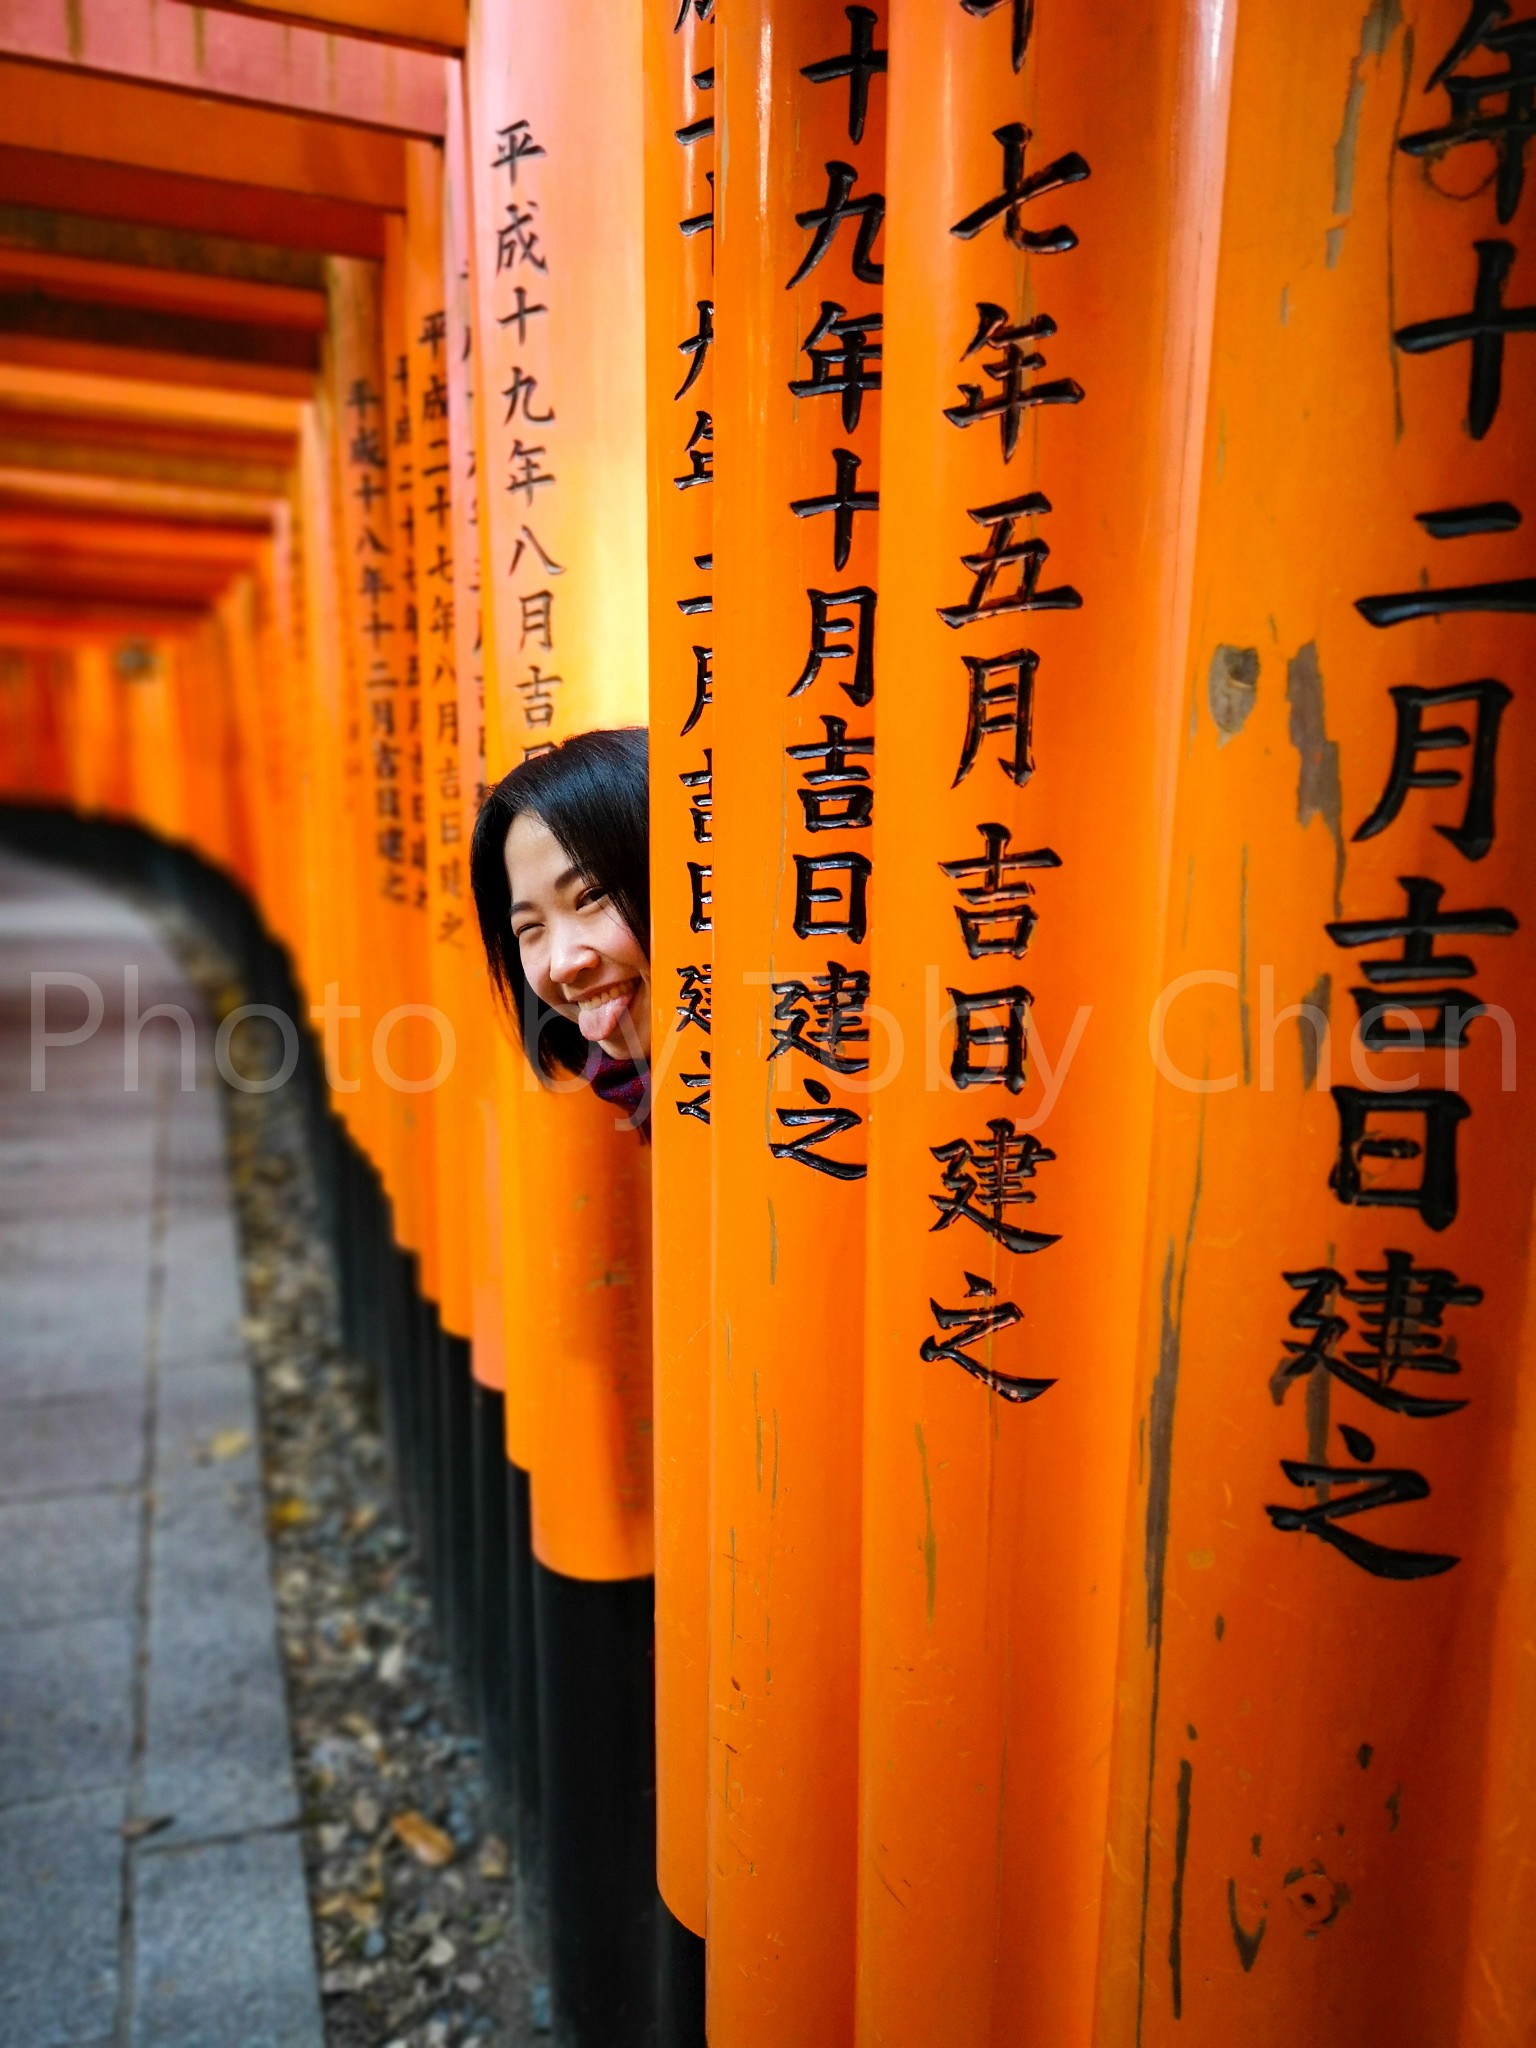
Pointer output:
x,y
593,792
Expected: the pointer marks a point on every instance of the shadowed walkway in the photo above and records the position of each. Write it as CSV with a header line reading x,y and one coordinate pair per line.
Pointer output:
x,y
151,1886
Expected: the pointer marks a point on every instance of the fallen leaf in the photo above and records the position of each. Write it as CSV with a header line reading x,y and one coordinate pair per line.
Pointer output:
x,y
225,1444
290,1512
144,1824
392,1665
494,1862
440,1954
365,1814
428,1844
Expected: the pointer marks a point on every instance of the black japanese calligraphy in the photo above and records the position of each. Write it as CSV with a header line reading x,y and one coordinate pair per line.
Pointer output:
x,y
981,1318
1451,1010
816,890
988,1022
868,210
1000,700
1022,13
828,631
1356,1178
843,352
843,501
1401,1308
1508,129
1473,837
1010,372
1001,552
824,1017
994,911
1017,193
859,63
984,1179
1485,328
1382,1487
819,1125
836,796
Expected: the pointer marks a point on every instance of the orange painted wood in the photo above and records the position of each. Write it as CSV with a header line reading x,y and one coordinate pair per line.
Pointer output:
x,y
157,366
1304,1743
167,291
789,1225
430,25
408,1054
226,56
256,212
477,1051
560,401
449,927
680,99
1035,378
362,736
141,125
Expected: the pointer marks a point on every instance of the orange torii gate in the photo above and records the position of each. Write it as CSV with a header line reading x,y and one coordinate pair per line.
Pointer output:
x,y
1091,1188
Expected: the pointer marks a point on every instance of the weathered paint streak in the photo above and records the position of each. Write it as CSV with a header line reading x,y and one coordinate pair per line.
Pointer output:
x,y
1231,688
1161,1406
1314,1036
1319,793
930,1539
1180,1858
1244,1016
1247,1944
1382,20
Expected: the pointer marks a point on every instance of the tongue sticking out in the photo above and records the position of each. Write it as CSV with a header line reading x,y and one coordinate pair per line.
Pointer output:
x,y
602,1020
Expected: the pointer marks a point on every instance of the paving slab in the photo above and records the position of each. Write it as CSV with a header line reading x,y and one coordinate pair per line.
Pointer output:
x,y
66,1708
60,1905
207,1428
71,1442
225,1952
217,1754
68,1560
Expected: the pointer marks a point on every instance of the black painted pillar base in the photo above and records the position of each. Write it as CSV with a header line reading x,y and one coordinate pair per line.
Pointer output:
x,y
492,1610
523,1699
597,1742
455,1485
679,1981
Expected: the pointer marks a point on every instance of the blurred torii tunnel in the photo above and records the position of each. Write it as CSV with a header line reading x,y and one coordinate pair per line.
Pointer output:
x,y
1006,1521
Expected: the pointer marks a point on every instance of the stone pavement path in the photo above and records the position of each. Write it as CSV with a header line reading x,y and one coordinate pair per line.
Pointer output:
x,y
151,1886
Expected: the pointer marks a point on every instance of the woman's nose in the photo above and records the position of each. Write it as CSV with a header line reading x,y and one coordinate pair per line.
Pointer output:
x,y
571,954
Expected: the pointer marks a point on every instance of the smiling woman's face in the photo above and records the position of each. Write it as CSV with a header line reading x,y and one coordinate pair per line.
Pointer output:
x,y
579,955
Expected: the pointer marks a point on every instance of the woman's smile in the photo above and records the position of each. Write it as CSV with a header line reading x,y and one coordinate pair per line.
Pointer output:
x,y
600,1012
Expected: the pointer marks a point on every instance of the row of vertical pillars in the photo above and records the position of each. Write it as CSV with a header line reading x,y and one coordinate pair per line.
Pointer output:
x,y
553,1675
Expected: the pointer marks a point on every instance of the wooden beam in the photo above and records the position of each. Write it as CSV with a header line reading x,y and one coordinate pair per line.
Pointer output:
x,y
139,245
50,490
157,366
207,206
35,573
234,57
187,292
439,25
170,453
43,622
151,129
26,389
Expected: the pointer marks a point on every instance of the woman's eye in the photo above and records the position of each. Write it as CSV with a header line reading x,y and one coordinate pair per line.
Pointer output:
x,y
522,936
589,897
